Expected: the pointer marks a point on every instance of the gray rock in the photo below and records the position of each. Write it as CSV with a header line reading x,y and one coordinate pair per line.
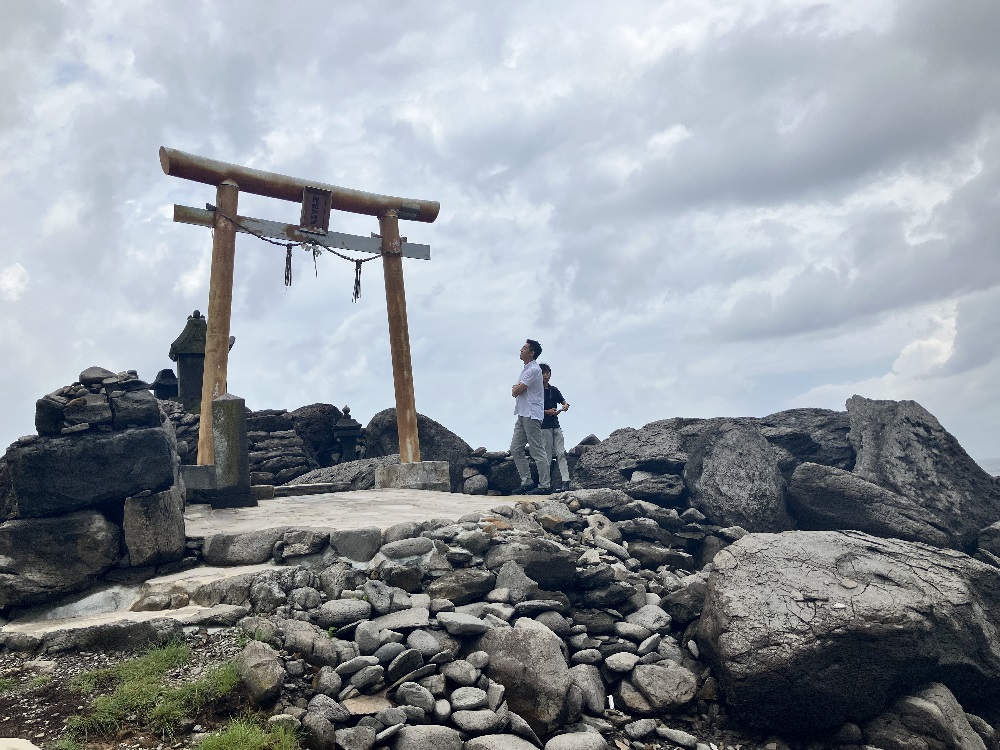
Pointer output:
x,y
636,730
356,544
321,733
512,578
414,547
134,409
461,672
499,742
930,718
328,709
342,611
812,629
621,662
652,618
404,619
154,527
407,661
577,741
677,737
476,485
355,475
412,694
457,623
549,564
468,699
809,435
665,685
588,679
41,559
251,548
824,498
431,642
356,664
663,489
476,722
58,475
360,737
328,682
424,737
734,478
437,443
684,604
368,677
900,446
463,586
95,375
91,409
260,672
529,663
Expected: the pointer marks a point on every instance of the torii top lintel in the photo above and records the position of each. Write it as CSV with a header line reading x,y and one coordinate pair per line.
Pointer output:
x,y
272,185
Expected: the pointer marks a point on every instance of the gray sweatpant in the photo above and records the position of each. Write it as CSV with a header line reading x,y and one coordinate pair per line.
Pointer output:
x,y
529,431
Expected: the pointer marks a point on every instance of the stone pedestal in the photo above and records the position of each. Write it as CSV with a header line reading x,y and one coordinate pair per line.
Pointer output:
x,y
232,455
421,475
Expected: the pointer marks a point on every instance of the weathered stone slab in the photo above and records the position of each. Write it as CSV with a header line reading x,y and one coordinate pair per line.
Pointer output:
x,y
54,476
808,629
41,559
154,527
902,447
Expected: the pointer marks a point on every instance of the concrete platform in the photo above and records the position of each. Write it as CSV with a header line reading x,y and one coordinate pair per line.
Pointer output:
x,y
331,510
338,510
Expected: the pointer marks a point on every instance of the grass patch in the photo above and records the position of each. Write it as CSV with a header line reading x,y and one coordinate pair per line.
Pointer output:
x,y
139,696
6,683
65,743
42,679
247,734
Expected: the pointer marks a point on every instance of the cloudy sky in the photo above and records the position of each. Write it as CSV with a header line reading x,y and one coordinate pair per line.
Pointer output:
x,y
699,208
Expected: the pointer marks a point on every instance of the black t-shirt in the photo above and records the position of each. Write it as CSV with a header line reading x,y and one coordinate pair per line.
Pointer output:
x,y
552,399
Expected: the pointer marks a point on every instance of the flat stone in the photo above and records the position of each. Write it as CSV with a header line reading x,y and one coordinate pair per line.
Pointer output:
x,y
404,619
499,742
577,741
468,699
461,624
476,722
414,547
439,738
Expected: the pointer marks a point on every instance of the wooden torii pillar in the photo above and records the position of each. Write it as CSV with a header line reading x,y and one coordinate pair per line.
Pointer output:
x,y
229,180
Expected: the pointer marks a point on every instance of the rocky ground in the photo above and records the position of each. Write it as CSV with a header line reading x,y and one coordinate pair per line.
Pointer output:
x,y
39,696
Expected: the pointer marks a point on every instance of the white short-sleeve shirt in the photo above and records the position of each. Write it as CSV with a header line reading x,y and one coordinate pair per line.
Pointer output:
x,y
530,403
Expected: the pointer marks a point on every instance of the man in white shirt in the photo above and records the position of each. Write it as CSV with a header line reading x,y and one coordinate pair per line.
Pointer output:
x,y
529,398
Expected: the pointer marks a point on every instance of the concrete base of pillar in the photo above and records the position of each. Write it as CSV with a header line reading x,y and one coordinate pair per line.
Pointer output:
x,y
423,475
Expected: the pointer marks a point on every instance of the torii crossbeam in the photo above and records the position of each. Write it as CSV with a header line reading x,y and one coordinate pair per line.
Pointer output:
x,y
317,199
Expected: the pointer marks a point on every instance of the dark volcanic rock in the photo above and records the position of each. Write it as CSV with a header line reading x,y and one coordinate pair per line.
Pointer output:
x,y
809,629
437,443
815,435
734,479
902,447
660,448
314,424
41,559
824,498
354,475
53,476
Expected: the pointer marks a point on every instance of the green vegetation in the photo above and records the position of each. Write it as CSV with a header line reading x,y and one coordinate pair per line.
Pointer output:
x,y
65,743
247,734
42,679
6,683
137,690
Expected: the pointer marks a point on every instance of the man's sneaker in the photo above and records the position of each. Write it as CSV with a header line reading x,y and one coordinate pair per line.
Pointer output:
x,y
524,489
541,491
565,487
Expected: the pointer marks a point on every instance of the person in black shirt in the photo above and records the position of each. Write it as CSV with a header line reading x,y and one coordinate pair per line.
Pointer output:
x,y
552,434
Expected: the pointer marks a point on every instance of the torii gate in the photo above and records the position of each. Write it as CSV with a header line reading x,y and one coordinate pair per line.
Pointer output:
x,y
317,199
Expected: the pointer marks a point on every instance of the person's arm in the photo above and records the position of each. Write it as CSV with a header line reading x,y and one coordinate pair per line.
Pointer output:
x,y
517,389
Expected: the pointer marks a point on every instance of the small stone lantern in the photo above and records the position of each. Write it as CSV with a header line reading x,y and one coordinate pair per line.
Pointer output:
x,y
346,431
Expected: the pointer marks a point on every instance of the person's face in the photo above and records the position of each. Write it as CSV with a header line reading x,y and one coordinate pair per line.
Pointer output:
x,y
546,375
527,353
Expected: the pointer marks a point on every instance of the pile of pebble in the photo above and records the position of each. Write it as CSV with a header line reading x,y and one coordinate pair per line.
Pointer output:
x,y
100,400
524,627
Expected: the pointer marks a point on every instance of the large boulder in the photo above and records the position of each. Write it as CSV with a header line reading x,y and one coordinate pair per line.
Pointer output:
x,y
902,447
52,476
529,663
154,527
734,479
815,435
825,498
314,424
658,448
42,559
809,629
352,475
437,443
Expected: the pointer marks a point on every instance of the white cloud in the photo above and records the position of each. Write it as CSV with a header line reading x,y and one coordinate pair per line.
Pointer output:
x,y
13,281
